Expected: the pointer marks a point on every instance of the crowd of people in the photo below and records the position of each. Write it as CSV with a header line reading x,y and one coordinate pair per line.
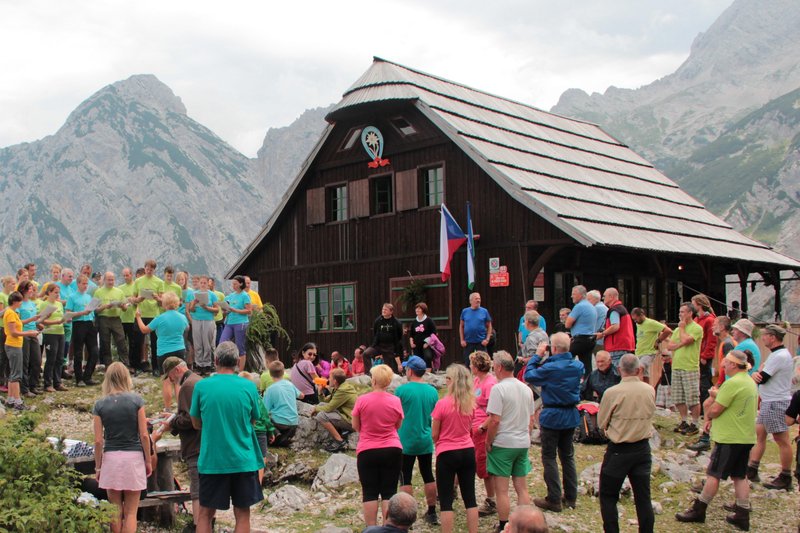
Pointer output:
x,y
180,328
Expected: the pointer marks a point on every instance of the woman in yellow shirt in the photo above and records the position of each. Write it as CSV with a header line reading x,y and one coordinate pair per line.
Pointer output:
x,y
12,327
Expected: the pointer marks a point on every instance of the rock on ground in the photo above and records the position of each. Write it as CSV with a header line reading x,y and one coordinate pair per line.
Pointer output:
x,y
334,529
288,499
340,469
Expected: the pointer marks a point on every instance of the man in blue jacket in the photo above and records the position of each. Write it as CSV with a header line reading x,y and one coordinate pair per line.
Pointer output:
x,y
559,376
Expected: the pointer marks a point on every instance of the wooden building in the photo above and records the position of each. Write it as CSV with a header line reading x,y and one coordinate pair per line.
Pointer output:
x,y
556,201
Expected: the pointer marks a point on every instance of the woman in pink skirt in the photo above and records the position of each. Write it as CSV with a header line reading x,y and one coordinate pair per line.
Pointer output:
x,y
121,445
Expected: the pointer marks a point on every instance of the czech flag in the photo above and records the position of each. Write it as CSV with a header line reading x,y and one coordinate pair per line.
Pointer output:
x,y
451,238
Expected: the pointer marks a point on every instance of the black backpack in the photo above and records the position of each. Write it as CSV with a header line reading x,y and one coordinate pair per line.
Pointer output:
x,y
587,431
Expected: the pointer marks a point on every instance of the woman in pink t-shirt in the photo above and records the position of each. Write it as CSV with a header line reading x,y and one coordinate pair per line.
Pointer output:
x,y
304,373
377,416
483,380
455,454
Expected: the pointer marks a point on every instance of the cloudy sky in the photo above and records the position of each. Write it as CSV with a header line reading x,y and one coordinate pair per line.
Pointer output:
x,y
243,67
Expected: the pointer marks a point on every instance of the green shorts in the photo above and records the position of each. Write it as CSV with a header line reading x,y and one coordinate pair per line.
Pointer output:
x,y
508,462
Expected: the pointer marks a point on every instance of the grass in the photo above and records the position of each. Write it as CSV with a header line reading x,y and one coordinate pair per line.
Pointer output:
x,y
68,414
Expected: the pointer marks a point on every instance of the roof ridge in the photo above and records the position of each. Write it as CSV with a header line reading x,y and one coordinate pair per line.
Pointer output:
x,y
377,59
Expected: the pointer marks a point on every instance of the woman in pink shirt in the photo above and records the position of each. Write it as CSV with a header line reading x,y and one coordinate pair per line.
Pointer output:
x,y
304,373
377,416
455,454
483,380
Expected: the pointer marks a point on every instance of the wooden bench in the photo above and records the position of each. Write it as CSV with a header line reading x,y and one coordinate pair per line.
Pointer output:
x,y
155,499
161,506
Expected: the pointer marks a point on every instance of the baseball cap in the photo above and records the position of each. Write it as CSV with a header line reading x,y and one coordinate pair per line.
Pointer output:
x,y
415,362
775,330
170,363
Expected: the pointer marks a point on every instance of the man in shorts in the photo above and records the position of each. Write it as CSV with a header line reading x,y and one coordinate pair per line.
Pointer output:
x,y
508,438
732,409
775,388
225,406
685,346
560,379
649,335
178,373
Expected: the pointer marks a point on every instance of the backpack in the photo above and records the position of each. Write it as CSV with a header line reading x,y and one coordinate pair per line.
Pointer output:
x,y
587,431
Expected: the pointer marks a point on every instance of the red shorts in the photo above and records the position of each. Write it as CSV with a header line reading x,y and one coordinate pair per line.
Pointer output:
x,y
479,440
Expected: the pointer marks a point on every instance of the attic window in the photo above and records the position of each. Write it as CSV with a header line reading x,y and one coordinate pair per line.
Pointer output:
x,y
403,126
351,139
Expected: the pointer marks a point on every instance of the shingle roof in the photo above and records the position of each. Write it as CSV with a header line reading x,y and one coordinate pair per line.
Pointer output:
x,y
572,173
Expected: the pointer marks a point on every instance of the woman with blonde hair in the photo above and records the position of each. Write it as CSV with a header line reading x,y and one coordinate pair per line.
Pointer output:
x,y
169,327
455,453
122,454
377,416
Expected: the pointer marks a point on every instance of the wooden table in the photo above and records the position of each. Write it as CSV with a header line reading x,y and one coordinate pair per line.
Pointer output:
x,y
159,509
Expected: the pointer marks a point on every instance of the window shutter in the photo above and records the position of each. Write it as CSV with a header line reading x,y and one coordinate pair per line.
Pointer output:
x,y
315,206
406,183
358,192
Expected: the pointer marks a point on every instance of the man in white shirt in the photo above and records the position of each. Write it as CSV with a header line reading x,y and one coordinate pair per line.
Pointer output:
x,y
775,388
508,439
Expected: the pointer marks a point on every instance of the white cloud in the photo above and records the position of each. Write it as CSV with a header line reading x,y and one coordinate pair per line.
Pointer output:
x,y
241,67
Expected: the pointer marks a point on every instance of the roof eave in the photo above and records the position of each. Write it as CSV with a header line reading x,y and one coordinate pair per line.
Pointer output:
x,y
284,202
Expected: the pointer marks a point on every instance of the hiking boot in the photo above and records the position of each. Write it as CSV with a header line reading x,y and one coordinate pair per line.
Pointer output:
x,y
740,518
697,513
780,482
691,429
30,394
61,388
488,507
547,505
19,406
336,446
680,428
568,503
752,474
703,444
49,389
431,519
90,382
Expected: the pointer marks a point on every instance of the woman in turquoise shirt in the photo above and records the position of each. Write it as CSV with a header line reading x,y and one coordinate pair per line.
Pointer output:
x,y
31,351
169,327
237,319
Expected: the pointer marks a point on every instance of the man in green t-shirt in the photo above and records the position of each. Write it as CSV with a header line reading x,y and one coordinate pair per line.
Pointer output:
x,y
649,335
109,324
127,317
225,406
418,399
732,409
147,292
685,347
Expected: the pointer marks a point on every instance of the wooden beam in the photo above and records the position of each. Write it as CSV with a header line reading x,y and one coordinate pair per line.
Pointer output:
x,y
777,282
543,259
743,275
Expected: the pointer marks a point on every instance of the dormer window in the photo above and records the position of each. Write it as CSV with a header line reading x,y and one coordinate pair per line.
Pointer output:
x,y
403,126
352,137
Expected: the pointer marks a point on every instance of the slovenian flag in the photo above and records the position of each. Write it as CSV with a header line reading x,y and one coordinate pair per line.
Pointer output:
x,y
470,252
451,238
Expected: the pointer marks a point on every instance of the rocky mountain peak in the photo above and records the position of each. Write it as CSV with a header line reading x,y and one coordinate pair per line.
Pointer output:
x,y
137,92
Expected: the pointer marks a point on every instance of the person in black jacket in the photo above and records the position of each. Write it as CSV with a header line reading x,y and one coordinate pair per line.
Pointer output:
x,y
421,328
387,333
